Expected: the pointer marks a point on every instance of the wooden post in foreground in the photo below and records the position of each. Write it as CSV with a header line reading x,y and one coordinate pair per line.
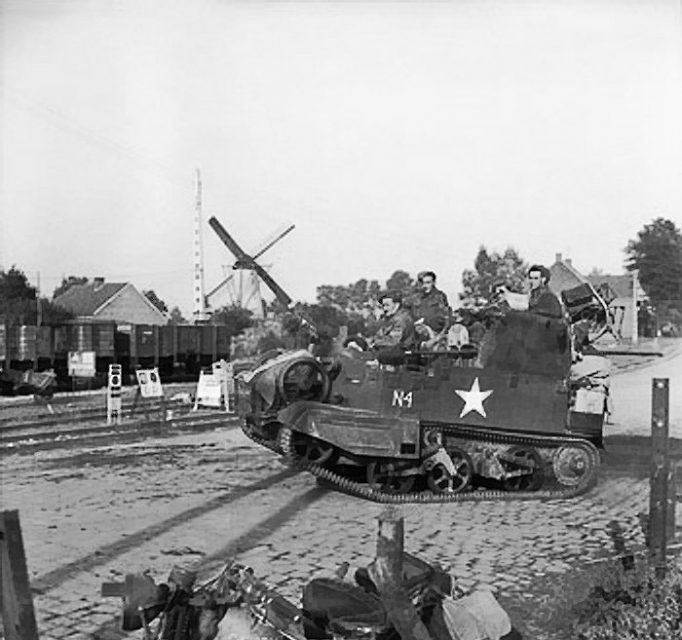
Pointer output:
x,y
661,480
18,616
387,573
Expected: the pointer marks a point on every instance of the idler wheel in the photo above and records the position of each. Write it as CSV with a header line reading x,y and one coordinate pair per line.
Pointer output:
x,y
303,380
313,450
526,457
441,480
383,476
572,464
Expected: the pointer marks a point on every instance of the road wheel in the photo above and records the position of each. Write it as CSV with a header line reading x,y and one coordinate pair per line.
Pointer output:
x,y
525,458
383,476
442,480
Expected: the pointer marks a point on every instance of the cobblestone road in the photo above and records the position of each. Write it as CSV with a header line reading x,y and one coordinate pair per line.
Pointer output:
x,y
93,514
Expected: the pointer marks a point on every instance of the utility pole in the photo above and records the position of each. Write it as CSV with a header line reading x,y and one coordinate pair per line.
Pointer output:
x,y
635,327
199,306
39,308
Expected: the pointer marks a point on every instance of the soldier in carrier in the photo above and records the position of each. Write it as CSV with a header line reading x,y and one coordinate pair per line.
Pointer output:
x,y
396,332
432,313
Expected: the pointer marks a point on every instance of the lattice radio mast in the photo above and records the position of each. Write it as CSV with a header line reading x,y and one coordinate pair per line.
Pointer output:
x,y
199,305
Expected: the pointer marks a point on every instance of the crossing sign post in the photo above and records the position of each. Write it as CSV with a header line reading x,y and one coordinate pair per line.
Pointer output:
x,y
114,389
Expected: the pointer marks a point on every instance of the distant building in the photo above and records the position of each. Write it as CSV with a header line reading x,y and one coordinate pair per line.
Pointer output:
x,y
112,301
615,289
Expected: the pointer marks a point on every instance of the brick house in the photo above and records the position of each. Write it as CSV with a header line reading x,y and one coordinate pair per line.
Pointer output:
x,y
616,288
110,301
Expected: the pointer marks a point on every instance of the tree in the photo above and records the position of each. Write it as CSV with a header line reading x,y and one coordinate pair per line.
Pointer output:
x,y
67,283
176,316
402,281
491,269
53,314
19,302
156,301
352,298
233,316
17,297
657,255
14,285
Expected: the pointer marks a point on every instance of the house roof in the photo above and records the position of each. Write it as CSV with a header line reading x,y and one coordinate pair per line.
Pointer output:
x,y
85,299
621,285
564,276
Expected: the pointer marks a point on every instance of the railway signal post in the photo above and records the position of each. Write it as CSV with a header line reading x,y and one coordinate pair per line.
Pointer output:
x,y
114,390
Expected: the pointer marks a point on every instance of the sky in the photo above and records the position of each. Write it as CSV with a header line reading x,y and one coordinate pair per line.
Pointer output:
x,y
394,135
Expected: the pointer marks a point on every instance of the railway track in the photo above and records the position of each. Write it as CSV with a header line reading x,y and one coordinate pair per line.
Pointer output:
x,y
88,424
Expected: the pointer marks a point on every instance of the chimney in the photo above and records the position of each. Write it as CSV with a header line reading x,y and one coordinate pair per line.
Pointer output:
x,y
568,262
557,257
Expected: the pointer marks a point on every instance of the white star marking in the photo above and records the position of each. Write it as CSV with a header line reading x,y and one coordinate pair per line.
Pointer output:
x,y
473,399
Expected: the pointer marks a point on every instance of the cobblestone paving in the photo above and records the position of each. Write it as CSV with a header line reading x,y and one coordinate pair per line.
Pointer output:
x,y
92,514
109,511
501,546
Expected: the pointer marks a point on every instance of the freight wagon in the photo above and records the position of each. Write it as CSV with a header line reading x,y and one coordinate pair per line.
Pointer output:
x,y
178,350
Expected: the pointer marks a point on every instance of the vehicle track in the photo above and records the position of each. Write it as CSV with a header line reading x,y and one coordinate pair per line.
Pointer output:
x,y
362,490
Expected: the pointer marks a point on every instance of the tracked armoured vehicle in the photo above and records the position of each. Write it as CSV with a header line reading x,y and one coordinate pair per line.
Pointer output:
x,y
510,419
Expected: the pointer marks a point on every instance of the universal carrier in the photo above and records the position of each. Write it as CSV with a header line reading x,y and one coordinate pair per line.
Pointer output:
x,y
513,418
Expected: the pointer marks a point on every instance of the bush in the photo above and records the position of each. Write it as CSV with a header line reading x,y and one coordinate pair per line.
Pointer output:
x,y
632,604
618,599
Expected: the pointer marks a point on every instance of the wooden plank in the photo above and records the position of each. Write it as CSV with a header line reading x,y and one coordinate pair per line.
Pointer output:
x,y
660,477
387,573
18,616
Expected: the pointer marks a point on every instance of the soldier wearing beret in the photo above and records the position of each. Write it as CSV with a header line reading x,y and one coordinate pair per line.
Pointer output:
x,y
396,331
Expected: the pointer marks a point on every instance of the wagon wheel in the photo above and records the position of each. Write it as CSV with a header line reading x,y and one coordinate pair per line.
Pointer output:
x,y
383,476
441,480
527,457
313,450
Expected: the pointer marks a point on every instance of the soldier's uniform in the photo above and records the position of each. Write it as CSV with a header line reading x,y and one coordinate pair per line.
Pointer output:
x,y
396,331
434,308
543,302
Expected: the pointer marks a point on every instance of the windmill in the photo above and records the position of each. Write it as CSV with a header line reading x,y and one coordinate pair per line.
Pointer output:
x,y
246,287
